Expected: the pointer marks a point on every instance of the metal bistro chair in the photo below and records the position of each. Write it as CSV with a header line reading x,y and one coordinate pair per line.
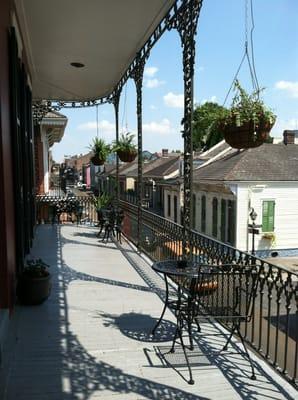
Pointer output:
x,y
224,293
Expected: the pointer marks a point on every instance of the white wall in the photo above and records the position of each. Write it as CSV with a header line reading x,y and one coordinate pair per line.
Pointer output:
x,y
209,198
285,195
172,192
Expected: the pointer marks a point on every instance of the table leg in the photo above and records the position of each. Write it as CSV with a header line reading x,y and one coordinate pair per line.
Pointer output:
x,y
164,308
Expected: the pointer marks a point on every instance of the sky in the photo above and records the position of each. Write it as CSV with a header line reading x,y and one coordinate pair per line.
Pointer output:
x,y
220,43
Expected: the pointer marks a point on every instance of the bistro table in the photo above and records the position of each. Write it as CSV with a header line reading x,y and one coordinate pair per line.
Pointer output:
x,y
179,271
222,292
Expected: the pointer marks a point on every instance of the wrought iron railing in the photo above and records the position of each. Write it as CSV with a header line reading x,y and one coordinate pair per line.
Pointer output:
x,y
59,209
273,329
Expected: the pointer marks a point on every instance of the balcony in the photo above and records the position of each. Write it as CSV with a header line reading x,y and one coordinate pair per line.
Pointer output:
x,y
91,338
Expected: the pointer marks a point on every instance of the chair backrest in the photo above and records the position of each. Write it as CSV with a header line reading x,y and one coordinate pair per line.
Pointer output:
x,y
225,292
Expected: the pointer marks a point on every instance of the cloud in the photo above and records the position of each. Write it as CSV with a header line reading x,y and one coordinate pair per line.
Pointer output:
x,y
150,71
162,128
153,107
174,100
153,83
212,99
288,86
103,125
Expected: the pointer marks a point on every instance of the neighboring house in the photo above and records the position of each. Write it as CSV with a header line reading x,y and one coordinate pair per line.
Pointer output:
x,y
173,188
49,131
107,175
155,173
265,179
172,199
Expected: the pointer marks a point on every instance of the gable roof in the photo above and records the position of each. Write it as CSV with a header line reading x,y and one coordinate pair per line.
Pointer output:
x,y
269,162
162,167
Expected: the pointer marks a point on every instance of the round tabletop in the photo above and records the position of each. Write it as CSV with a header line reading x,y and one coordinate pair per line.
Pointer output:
x,y
181,268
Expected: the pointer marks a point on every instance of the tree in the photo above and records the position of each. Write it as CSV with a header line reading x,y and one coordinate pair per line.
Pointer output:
x,y
205,131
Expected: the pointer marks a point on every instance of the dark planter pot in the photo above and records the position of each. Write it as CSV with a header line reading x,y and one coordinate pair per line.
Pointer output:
x,y
32,291
127,156
247,135
97,161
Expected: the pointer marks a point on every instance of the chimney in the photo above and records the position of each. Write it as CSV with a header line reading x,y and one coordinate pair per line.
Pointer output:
x,y
165,152
289,137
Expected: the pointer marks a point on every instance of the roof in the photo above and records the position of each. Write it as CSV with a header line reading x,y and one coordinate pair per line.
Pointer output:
x,y
55,115
162,167
157,168
269,162
103,35
213,151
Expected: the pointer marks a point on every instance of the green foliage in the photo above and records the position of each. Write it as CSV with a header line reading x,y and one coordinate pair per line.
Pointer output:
x,y
100,148
35,269
246,108
205,129
102,201
125,143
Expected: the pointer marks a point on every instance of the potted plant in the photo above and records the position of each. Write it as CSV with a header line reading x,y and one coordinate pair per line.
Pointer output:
x,y
34,283
125,148
102,201
100,150
248,122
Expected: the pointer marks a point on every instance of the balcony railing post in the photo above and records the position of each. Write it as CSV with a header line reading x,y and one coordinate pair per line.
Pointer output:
x,y
137,75
185,22
115,101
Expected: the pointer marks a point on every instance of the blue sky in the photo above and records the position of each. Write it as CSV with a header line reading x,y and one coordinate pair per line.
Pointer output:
x,y
219,49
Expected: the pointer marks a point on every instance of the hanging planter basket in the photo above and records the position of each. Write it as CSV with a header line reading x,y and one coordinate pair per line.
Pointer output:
x,y
126,156
96,160
248,135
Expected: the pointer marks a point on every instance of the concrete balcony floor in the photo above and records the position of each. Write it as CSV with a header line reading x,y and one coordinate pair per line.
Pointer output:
x,y
91,338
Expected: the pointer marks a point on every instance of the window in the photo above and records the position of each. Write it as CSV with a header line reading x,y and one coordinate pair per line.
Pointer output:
x,y
203,214
268,216
175,208
169,205
194,211
223,220
214,216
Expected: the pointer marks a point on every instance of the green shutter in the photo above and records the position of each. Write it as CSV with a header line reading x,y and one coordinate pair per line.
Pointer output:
x,y
268,216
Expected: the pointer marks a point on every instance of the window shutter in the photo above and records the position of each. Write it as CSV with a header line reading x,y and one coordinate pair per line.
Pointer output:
x,y
268,216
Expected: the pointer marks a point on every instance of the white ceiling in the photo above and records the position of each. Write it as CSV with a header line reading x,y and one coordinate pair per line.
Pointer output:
x,y
105,35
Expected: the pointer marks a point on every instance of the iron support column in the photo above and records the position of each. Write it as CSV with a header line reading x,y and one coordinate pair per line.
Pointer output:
x,y
137,75
186,24
115,101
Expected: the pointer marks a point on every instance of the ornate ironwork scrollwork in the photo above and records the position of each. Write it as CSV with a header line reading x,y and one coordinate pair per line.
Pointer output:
x,y
185,22
137,76
116,100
